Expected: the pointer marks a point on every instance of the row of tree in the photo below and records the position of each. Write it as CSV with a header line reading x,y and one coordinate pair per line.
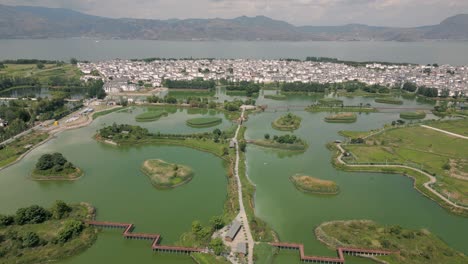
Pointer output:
x,y
192,84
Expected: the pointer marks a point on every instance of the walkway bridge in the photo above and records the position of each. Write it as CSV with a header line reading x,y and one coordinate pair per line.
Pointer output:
x,y
302,107
341,251
156,238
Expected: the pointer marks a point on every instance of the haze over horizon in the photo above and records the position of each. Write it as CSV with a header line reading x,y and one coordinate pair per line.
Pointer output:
x,y
390,13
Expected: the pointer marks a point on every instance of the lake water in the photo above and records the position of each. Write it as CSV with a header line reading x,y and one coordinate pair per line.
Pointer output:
x,y
114,184
442,52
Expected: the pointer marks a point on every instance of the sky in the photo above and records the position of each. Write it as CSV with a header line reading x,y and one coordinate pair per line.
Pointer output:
x,y
399,13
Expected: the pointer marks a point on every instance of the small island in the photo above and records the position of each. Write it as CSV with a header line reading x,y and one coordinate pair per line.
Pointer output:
x,y
415,246
204,122
341,118
330,101
288,122
40,235
286,142
150,116
413,115
276,96
52,167
165,175
389,100
313,185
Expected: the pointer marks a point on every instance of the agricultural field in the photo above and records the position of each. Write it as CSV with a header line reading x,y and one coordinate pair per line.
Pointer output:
x,y
423,148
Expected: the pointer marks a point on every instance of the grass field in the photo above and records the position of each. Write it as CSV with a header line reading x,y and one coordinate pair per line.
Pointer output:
x,y
426,149
204,122
203,258
182,94
43,75
49,175
341,118
412,115
276,97
330,101
165,175
106,112
150,116
47,231
14,150
455,126
354,134
264,253
415,246
276,145
313,185
388,100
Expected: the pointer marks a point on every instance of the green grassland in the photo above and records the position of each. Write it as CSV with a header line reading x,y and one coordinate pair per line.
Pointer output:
x,y
264,253
44,75
288,122
203,258
412,115
11,152
330,101
276,97
341,118
423,148
182,94
313,185
106,112
150,116
165,175
354,134
204,122
455,126
284,146
388,100
415,246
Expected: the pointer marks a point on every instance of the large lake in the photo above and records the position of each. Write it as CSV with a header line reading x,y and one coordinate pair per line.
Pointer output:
x,y
442,52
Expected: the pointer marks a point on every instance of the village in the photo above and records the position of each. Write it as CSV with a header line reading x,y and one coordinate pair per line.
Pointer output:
x,y
131,75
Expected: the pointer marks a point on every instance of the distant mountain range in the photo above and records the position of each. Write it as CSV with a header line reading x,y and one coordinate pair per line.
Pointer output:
x,y
41,22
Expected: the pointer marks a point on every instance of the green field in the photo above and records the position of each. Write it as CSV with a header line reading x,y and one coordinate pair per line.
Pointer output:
x,y
455,126
165,175
203,258
43,75
150,116
412,115
264,253
276,145
313,185
423,148
288,122
276,96
356,109
204,122
15,149
388,100
415,246
106,112
182,94
354,134
341,118
330,101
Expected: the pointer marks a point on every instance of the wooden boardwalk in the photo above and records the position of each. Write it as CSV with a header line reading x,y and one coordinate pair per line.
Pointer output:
x,y
341,251
156,238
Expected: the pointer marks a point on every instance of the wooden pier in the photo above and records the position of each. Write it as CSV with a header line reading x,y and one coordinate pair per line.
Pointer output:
x,y
156,238
341,251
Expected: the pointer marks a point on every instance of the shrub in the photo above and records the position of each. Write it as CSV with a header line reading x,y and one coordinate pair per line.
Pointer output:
x,y
30,240
60,210
71,229
31,215
6,220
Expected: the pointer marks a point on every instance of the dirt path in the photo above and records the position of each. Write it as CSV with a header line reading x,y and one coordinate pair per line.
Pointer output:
x,y
445,131
427,185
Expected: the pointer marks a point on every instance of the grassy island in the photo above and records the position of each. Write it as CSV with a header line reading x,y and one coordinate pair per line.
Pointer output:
x,y
150,116
165,175
341,118
275,96
55,167
313,185
413,115
388,100
288,122
38,235
330,101
415,246
286,142
204,122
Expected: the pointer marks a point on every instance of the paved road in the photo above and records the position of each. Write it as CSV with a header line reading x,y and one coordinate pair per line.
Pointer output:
x,y
427,185
445,131
242,216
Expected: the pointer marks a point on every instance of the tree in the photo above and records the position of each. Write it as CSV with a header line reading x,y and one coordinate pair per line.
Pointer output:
x,y
6,220
196,227
242,146
40,65
217,246
73,61
58,159
71,229
60,210
217,222
30,240
45,162
267,136
217,131
225,151
31,215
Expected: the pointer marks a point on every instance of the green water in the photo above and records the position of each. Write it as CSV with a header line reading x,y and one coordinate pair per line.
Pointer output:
x,y
114,184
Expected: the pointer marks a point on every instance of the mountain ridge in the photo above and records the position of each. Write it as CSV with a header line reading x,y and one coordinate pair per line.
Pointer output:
x,y
44,22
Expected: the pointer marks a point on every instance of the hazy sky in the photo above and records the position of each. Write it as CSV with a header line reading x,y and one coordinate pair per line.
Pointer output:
x,y
299,12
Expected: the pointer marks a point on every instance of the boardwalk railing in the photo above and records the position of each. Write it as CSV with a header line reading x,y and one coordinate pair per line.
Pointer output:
x,y
127,233
340,251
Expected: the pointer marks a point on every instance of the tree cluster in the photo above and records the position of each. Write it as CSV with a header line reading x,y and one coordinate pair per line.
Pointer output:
x,y
193,84
250,88
55,162
312,87
428,92
287,139
123,131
